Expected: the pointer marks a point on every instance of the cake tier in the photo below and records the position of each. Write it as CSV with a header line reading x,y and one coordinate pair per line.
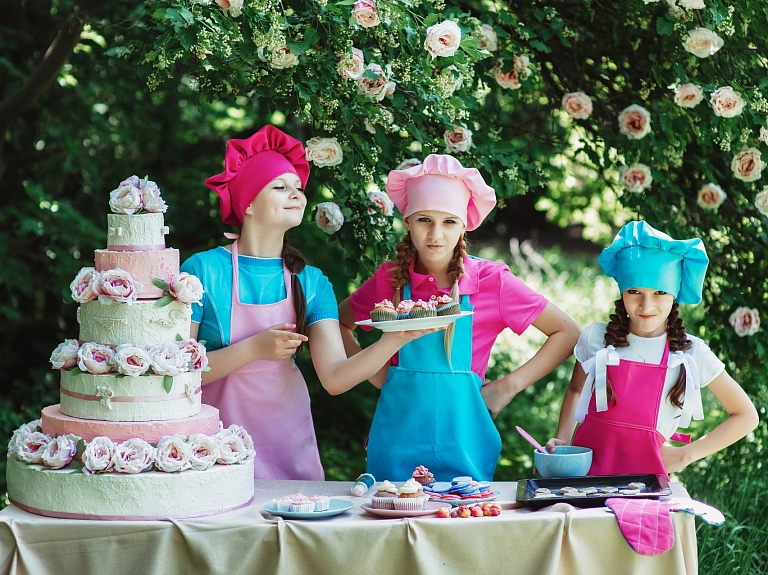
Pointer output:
x,y
139,323
143,267
114,398
151,495
139,232
55,423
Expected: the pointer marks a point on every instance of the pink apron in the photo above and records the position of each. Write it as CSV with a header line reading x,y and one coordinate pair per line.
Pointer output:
x,y
268,398
624,438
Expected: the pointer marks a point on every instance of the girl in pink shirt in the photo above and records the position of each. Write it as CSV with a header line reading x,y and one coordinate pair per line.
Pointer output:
x,y
434,409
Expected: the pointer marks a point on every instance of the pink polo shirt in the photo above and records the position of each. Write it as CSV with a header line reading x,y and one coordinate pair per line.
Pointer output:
x,y
500,299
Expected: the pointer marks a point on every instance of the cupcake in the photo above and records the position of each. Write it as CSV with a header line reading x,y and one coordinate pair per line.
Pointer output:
x,y
404,309
409,498
446,305
423,476
383,311
423,308
283,503
302,504
385,494
322,502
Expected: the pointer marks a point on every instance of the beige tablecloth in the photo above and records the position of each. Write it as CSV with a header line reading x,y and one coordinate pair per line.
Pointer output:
x,y
520,541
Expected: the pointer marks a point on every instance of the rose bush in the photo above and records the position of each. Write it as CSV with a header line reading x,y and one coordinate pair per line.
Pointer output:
x,y
745,321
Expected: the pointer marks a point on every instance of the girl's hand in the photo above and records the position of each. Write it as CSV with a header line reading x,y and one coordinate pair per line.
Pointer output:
x,y
277,342
403,337
554,442
673,458
495,396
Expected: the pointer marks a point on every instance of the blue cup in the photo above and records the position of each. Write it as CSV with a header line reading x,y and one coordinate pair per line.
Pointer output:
x,y
566,461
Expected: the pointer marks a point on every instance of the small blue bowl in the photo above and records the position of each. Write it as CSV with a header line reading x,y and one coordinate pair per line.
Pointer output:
x,y
566,461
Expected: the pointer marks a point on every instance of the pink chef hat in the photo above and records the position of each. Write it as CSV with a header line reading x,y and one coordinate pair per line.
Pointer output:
x,y
442,184
252,163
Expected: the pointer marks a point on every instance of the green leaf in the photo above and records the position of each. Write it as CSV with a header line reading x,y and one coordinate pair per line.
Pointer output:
x,y
167,383
431,20
75,371
178,337
75,466
163,301
201,341
717,16
80,448
664,26
163,285
540,46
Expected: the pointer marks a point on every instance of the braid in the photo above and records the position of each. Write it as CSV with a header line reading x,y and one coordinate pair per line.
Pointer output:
x,y
678,341
400,271
456,266
295,263
616,333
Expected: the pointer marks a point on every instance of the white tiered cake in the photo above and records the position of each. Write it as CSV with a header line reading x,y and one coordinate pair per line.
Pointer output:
x,y
130,439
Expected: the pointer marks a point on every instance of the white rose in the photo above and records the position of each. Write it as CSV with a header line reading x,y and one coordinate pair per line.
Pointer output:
x,y
168,359
761,201
151,200
692,4
125,200
31,446
329,217
19,435
745,321
172,454
351,66
520,64
186,288
747,165
688,95
283,58
97,455
635,122
204,451
116,286
380,86
635,178
370,128
487,38
578,105
726,102
95,358
443,39
231,448
240,431
458,140
710,197
65,354
198,359
366,14
508,80
324,152
702,42
382,201
408,163
763,137
131,360
133,456
59,452
231,7
83,285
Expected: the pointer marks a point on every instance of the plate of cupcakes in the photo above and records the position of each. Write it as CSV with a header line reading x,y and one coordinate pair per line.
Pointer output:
x,y
412,315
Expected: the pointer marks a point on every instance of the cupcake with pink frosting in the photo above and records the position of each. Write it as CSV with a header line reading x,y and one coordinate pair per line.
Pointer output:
x,y
404,309
446,305
423,475
384,311
423,308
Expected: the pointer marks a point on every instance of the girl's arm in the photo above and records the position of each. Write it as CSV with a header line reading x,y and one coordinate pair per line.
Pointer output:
x,y
562,334
351,347
742,418
567,423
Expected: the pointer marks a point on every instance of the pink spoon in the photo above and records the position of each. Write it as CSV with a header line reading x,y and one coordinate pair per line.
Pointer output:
x,y
530,439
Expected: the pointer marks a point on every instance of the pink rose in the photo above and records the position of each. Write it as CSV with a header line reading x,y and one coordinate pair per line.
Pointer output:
x,y
745,321
172,454
487,38
198,360
727,102
408,163
59,452
635,178
204,451
635,122
688,95
231,7
168,359
133,456
65,354
134,181
328,217
31,447
761,201
443,39
20,434
747,165
366,14
351,66
83,285
131,360
702,42
95,358
457,140
116,286
382,202
231,448
125,200
250,453
151,200
378,88
186,289
508,80
98,455
710,197
324,152
578,105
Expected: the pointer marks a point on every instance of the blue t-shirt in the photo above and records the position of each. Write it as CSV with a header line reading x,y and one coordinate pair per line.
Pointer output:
x,y
261,282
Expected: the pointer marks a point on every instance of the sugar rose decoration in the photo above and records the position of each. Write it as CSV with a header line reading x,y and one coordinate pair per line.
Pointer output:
x,y
328,217
635,178
65,354
726,102
82,286
204,451
710,196
487,38
635,122
240,431
702,42
198,358
761,202
116,286
95,358
376,82
131,360
459,139
136,195
748,165
168,359
366,14
443,39
172,454
59,452
97,456
324,152
745,321
232,449
688,95
133,456
351,65
31,446
577,105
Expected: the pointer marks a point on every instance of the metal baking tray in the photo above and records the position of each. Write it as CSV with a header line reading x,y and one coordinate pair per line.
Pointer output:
x,y
655,486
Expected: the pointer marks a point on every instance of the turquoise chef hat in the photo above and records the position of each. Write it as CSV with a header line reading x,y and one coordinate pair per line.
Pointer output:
x,y
642,257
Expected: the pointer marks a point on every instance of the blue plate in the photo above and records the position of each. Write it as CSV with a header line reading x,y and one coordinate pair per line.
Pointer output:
x,y
335,507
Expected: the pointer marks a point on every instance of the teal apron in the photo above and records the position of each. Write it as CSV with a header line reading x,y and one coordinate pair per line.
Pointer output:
x,y
429,414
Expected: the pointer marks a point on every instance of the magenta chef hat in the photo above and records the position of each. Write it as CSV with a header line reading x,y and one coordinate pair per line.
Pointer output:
x,y
252,163
442,184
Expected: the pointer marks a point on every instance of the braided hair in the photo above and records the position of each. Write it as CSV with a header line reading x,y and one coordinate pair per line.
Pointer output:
x,y
295,263
616,335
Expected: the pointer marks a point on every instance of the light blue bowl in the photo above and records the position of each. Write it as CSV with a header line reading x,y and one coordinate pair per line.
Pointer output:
x,y
566,461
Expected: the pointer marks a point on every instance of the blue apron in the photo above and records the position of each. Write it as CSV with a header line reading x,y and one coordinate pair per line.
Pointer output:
x,y
429,414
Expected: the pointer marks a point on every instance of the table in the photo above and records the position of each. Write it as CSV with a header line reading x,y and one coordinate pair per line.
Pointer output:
x,y
519,541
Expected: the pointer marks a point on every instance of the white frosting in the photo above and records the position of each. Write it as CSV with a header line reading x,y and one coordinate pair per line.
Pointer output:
x,y
111,389
143,266
140,323
111,495
136,230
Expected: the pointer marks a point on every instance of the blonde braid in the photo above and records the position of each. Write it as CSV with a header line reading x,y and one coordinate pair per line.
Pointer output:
x,y
456,271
